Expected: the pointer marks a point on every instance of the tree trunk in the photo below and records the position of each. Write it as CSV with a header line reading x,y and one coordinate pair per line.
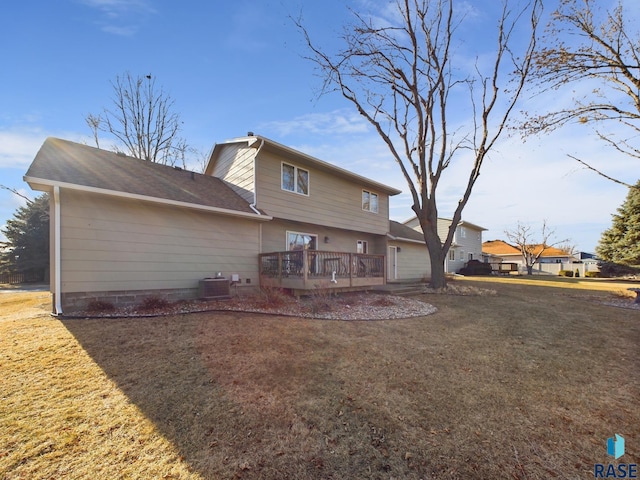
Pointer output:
x,y
438,278
436,256
529,269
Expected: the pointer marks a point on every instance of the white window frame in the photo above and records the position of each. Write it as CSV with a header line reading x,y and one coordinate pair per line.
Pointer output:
x,y
452,255
288,233
362,246
370,195
296,186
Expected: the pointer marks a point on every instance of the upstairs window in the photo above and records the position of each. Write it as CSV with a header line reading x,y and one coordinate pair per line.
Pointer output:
x,y
295,179
362,246
369,201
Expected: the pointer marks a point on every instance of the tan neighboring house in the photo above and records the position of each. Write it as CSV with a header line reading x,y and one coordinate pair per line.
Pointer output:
x,y
263,214
507,253
551,261
466,245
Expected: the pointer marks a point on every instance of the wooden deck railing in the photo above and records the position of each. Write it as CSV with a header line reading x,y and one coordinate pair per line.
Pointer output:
x,y
307,269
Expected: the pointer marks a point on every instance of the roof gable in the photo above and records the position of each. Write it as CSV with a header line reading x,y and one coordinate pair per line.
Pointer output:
x,y
499,247
63,162
259,142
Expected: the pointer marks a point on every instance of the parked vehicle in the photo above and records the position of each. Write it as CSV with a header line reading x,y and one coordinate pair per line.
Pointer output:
x,y
475,267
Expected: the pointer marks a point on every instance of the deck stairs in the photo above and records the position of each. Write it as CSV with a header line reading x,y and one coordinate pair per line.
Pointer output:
x,y
402,289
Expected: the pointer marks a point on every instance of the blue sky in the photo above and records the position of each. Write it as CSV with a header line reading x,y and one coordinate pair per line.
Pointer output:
x,y
234,67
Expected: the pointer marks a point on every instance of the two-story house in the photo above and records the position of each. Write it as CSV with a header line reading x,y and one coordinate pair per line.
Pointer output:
x,y
466,244
263,214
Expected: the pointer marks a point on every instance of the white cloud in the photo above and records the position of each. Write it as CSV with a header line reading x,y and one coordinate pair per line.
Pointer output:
x,y
121,17
337,122
537,181
19,147
119,7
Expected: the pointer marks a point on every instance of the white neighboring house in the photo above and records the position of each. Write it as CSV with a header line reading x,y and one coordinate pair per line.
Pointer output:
x,y
466,245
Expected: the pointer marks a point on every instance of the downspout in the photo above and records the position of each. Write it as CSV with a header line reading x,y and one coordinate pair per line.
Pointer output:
x,y
57,261
252,205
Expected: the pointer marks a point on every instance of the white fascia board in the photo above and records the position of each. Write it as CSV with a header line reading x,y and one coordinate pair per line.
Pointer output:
x,y
408,240
40,184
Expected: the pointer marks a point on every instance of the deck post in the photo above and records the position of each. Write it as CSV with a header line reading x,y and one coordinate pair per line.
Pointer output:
x,y
305,267
351,262
280,265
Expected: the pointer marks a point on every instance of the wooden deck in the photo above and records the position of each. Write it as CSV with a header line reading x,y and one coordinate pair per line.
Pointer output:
x,y
313,269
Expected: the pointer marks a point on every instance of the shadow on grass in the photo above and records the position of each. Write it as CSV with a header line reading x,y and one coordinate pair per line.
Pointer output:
x,y
244,396
517,385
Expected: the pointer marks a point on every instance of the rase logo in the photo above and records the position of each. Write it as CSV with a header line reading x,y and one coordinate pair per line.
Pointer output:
x,y
615,448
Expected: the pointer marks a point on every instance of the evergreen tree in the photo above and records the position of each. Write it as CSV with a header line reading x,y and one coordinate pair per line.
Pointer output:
x,y
27,247
621,243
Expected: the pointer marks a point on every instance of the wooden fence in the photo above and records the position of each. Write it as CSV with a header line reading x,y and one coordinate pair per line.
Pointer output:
x,y
21,277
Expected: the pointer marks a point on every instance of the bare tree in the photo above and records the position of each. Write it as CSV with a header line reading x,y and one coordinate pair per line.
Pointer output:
x,y
16,192
142,120
596,52
522,236
401,76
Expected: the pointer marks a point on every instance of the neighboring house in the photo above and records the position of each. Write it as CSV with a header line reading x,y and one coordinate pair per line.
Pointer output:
x,y
551,261
586,257
466,244
511,254
407,254
263,214
499,251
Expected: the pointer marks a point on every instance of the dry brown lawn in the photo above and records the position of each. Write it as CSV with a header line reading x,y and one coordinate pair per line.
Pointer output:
x,y
525,384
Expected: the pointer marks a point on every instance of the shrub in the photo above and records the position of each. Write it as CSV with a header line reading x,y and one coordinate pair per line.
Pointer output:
x,y
321,298
383,301
565,273
610,269
271,297
98,306
592,274
577,273
154,303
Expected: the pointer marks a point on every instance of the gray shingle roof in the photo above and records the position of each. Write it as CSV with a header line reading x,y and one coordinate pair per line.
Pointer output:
x,y
62,161
401,231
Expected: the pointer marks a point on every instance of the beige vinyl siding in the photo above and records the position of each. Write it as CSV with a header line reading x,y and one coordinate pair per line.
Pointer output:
x,y
274,237
332,201
118,244
412,261
414,223
235,166
443,229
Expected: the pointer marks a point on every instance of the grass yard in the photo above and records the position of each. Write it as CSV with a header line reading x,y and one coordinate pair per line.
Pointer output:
x,y
525,384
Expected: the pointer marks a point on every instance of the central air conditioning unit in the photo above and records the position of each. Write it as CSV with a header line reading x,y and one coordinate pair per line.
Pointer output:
x,y
215,288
